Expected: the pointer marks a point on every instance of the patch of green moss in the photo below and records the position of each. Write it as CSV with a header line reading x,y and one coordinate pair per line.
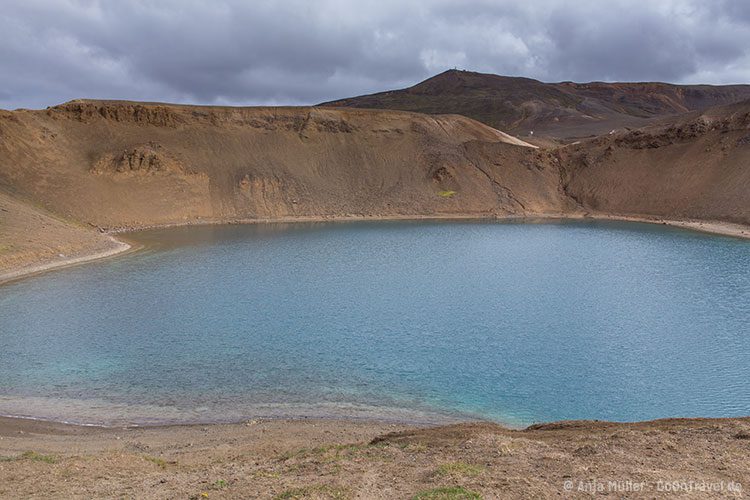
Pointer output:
x,y
459,469
159,461
335,449
448,493
332,492
447,194
219,485
38,457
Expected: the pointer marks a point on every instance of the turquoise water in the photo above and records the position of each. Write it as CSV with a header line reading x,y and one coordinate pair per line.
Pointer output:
x,y
397,320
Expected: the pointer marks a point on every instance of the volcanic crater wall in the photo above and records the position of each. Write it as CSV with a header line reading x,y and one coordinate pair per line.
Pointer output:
x,y
115,164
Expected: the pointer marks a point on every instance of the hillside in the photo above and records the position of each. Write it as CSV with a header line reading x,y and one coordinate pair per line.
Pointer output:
x,y
30,236
72,171
696,166
115,164
128,165
558,110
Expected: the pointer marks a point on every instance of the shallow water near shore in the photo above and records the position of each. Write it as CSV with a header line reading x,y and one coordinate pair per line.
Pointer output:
x,y
407,321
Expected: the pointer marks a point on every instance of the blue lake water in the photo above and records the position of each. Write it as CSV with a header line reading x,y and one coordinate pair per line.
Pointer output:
x,y
421,321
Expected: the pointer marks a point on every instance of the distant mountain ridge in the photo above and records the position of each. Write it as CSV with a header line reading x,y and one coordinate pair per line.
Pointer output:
x,y
565,110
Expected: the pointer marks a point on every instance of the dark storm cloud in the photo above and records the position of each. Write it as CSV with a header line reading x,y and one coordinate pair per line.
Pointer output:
x,y
632,47
657,41
266,52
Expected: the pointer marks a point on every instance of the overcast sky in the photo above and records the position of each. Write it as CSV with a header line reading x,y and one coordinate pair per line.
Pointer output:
x,y
308,51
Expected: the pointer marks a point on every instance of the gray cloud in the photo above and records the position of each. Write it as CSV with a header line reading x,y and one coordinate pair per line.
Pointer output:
x,y
301,52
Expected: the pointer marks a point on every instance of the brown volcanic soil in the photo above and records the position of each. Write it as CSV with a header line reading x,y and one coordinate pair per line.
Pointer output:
x,y
116,164
696,167
558,110
341,459
126,165
68,170
31,236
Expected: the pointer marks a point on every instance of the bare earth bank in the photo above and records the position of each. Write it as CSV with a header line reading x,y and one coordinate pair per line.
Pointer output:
x,y
356,459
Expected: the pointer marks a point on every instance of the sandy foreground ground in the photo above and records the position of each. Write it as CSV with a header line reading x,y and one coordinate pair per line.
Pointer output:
x,y
286,459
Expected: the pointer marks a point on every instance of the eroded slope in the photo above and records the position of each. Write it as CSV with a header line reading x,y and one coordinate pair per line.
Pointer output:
x,y
103,165
697,167
30,236
116,164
